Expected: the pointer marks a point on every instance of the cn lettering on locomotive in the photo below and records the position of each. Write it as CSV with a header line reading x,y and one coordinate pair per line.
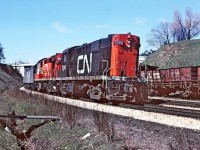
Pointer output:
x,y
86,64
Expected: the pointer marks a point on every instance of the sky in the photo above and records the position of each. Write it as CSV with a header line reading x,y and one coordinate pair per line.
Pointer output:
x,y
34,29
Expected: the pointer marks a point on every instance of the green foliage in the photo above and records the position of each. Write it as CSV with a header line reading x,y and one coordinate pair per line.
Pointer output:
x,y
2,57
7,141
147,52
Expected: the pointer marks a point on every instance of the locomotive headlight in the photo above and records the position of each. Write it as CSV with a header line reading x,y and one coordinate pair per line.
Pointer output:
x,y
128,43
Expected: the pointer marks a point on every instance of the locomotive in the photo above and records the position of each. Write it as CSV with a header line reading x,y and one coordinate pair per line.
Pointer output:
x,y
183,82
105,69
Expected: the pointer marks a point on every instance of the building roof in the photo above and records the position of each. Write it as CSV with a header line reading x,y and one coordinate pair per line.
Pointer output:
x,y
180,54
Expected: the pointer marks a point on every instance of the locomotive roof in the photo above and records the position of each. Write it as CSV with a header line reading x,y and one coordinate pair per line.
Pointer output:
x,y
108,37
66,50
41,60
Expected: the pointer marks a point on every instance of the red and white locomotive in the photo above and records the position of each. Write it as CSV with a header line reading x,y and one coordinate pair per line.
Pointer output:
x,y
105,69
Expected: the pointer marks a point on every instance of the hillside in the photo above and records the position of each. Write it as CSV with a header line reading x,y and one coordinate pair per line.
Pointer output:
x,y
180,54
9,77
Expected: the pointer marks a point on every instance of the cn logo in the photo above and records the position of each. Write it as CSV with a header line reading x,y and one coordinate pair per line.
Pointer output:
x,y
85,63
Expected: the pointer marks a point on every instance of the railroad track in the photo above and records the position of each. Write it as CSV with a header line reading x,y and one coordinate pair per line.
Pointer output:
x,y
184,112
165,109
174,111
177,101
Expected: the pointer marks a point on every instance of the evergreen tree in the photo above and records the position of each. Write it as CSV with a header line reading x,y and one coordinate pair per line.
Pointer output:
x,y
147,52
2,57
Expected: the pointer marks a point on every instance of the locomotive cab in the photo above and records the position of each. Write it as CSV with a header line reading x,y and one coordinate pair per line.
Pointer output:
x,y
124,55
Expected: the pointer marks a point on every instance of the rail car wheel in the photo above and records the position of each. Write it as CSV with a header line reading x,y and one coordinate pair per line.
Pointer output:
x,y
75,96
39,87
150,90
103,97
187,94
140,93
103,100
115,103
144,93
49,88
58,89
62,90
33,87
96,92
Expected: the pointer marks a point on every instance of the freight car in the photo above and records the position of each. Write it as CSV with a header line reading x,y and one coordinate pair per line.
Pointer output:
x,y
178,82
105,69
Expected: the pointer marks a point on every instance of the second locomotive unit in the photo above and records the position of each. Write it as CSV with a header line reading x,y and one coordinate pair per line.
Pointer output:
x,y
105,69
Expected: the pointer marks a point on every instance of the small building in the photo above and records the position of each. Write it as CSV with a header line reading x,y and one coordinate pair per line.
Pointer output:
x,y
142,58
21,67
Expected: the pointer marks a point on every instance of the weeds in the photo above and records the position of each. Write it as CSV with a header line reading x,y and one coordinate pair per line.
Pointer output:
x,y
104,125
181,142
67,112
70,115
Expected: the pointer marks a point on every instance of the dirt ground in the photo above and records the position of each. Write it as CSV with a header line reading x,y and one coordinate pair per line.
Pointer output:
x,y
102,131
9,77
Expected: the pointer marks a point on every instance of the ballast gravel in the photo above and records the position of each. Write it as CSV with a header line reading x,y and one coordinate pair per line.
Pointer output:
x,y
165,119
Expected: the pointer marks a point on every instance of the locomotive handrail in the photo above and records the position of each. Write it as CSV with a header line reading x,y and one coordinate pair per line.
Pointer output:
x,y
104,71
109,69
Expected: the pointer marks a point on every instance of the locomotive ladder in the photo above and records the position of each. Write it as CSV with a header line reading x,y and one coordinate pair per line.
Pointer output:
x,y
194,73
194,77
198,87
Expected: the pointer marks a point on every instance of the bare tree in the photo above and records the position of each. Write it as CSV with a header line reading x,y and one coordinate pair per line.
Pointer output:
x,y
192,23
160,35
2,57
187,28
178,30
